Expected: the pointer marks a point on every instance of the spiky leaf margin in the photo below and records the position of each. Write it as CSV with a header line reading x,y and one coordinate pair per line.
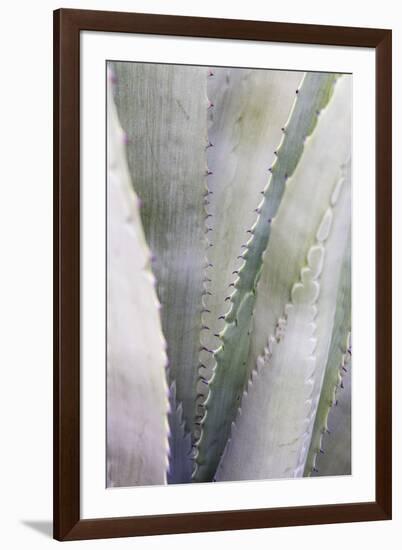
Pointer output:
x,y
273,429
137,394
232,366
163,109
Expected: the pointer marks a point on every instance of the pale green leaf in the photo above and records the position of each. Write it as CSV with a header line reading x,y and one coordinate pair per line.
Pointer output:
x,y
249,109
295,306
163,109
335,457
137,400
331,393
181,462
232,368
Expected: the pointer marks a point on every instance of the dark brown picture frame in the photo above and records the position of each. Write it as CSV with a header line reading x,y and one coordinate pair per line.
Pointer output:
x,y
67,26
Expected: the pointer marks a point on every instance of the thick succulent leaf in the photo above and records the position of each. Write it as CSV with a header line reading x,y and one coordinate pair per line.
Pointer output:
x,y
295,232
137,400
181,462
295,306
338,246
331,392
163,109
335,458
249,109
232,367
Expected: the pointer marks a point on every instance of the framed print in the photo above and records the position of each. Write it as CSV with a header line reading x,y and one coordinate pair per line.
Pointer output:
x,y
222,239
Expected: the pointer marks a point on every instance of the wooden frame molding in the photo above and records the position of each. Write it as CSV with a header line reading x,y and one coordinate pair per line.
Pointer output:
x,y
67,26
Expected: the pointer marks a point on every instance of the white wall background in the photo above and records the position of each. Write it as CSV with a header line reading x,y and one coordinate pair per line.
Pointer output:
x,y
26,273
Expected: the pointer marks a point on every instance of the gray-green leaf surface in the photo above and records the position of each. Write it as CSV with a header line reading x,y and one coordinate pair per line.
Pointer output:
x,y
163,109
336,446
295,307
249,109
137,394
181,462
332,393
232,366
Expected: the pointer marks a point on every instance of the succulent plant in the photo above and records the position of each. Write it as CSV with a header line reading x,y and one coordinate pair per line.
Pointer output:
x,y
132,309
244,180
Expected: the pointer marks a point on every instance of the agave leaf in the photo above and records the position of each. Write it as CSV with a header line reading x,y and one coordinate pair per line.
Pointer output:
x,y
249,109
137,402
164,111
295,306
336,367
181,461
335,456
232,367
337,247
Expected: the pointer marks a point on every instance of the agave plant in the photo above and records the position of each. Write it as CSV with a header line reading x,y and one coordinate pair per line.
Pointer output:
x,y
229,278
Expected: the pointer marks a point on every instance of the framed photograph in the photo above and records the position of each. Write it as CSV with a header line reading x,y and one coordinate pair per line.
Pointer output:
x,y
222,249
